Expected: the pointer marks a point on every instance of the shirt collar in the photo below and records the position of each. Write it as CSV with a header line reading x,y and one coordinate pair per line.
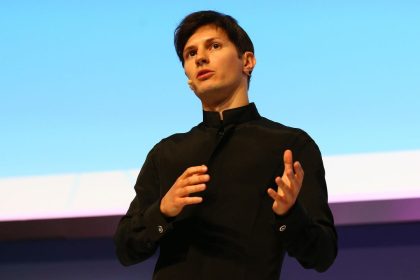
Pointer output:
x,y
231,116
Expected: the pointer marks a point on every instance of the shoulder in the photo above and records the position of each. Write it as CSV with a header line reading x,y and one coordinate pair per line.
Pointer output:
x,y
177,141
180,137
303,146
282,130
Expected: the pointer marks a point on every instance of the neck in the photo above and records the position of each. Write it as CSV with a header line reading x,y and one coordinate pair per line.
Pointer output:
x,y
235,100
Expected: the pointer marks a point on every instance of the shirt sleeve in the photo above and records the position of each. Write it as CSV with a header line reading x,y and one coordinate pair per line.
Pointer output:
x,y
140,229
307,231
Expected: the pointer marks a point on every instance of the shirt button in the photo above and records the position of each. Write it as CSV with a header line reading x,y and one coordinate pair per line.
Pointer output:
x,y
160,229
282,228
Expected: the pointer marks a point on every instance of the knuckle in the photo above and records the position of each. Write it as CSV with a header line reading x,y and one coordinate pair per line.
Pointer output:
x,y
188,171
200,179
181,193
189,181
178,203
189,190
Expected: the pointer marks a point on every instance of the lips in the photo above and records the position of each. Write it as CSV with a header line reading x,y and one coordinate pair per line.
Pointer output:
x,y
204,74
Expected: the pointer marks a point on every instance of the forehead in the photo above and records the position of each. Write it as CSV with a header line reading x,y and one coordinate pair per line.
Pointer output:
x,y
205,33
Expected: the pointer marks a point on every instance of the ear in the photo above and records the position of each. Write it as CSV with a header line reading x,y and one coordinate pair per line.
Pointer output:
x,y
248,62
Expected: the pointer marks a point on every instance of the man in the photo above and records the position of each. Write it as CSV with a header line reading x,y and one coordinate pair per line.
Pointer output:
x,y
226,200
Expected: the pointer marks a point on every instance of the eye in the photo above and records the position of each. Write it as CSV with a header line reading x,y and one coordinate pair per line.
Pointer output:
x,y
215,45
190,53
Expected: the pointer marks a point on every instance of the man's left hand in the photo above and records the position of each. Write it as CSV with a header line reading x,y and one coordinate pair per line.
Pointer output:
x,y
288,186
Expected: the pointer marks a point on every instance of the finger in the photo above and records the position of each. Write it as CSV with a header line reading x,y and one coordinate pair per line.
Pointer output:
x,y
195,180
191,189
275,195
201,169
295,179
291,176
283,189
288,161
188,200
299,172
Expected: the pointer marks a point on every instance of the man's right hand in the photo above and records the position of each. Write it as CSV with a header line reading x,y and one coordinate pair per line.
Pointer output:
x,y
191,181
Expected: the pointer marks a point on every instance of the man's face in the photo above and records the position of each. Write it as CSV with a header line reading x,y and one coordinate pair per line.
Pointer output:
x,y
212,65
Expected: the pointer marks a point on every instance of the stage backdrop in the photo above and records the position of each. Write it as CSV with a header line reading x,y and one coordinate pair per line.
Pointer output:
x,y
88,87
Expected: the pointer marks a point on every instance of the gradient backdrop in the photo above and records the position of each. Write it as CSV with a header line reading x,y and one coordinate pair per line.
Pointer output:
x,y
92,85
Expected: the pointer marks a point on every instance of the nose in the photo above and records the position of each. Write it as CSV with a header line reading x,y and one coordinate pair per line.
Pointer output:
x,y
201,58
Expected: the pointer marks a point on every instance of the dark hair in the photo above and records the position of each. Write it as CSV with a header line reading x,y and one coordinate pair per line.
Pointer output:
x,y
193,21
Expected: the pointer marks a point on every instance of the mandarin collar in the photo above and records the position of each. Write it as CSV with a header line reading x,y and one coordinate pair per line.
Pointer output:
x,y
231,116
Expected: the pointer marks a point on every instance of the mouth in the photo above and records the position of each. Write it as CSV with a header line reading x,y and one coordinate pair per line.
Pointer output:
x,y
204,74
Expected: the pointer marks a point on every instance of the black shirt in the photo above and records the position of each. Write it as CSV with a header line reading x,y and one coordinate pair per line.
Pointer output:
x,y
233,233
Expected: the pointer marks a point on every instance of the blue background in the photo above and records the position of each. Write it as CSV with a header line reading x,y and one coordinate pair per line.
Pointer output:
x,y
93,85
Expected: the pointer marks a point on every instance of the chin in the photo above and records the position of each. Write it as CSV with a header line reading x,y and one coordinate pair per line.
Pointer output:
x,y
209,90
207,93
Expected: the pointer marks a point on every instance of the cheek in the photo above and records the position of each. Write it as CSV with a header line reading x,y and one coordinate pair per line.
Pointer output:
x,y
233,69
230,63
187,70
